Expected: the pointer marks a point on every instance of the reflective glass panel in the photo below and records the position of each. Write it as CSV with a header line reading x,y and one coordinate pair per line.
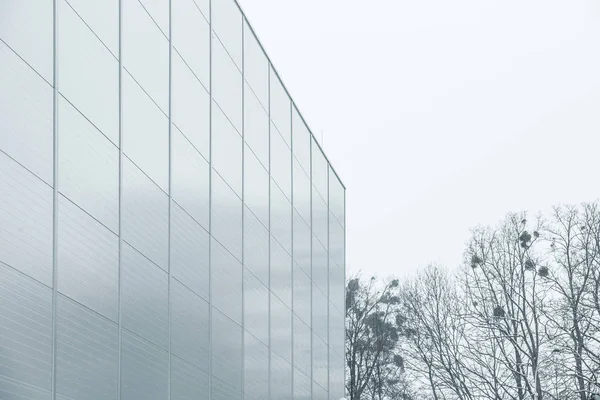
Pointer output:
x,y
281,378
320,269
302,295
336,329
302,244
319,313
226,281
281,158
320,215
281,329
226,151
336,242
302,191
256,307
227,361
337,195
281,113
187,381
226,222
302,347
103,18
256,369
256,127
301,141
319,170
227,85
281,218
281,273
227,23
319,367
159,12
302,386
256,66
256,186
256,247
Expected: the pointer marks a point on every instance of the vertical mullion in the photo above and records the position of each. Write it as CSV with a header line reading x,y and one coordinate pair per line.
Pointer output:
x,y
120,266
292,228
169,305
243,215
210,196
269,244
55,100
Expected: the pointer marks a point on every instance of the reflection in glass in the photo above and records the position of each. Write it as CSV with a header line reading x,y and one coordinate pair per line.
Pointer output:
x,y
256,307
281,328
256,369
227,362
226,281
280,111
256,66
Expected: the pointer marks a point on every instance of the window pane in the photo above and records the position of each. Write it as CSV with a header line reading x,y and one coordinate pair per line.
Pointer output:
x,y
302,295
256,369
26,316
336,375
189,252
191,37
226,282
281,218
256,307
302,244
190,106
301,140
336,329
88,73
145,369
281,378
319,313
189,178
256,66
226,223
187,381
336,242
319,367
281,162
319,170
227,359
302,348
302,191
85,339
189,326
88,167
29,30
280,108
26,218
84,242
337,287
224,391
144,298
281,273
256,187
146,51
145,133
227,24
102,17
302,386
27,121
145,215
159,11
281,328
256,247
256,127
227,85
319,217
226,151
337,195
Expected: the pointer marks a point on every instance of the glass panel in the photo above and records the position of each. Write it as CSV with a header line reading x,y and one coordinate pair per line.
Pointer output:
x,y
146,51
226,224
318,392
281,159
336,375
227,23
29,30
189,178
88,260
256,127
87,364
88,73
281,378
337,195
187,381
190,106
256,247
281,328
145,215
320,269
280,108
256,307
336,329
319,170
301,141
223,391
302,287
336,242
191,37
337,286
159,12
302,191
26,329
281,273
256,66
226,151
256,369
302,244
227,85
27,121
88,167
102,17
26,224
319,217
319,366
302,389
226,282
281,218
144,298
189,326
145,370
302,347
227,362
319,313
145,133
189,252
256,187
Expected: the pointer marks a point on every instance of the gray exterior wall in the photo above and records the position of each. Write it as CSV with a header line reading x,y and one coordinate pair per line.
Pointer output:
x,y
169,228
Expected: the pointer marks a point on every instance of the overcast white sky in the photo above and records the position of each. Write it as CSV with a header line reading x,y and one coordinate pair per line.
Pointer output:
x,y
439,115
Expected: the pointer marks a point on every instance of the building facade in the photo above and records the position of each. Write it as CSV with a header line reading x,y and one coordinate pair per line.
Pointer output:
x,y
169,227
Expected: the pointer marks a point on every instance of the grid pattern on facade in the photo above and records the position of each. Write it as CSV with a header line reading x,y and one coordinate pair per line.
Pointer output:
x,y
169,227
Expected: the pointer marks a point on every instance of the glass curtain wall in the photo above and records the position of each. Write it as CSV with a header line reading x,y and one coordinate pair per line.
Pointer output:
x,y
169,227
